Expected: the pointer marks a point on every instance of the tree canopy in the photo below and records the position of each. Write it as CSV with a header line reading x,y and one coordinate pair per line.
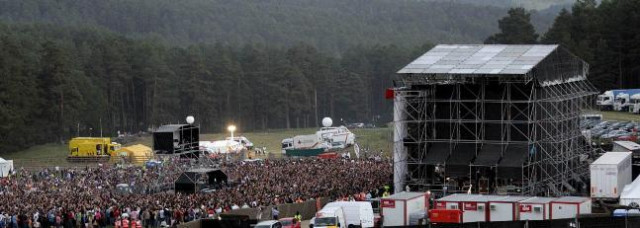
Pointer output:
x,y
58,82
329,25
607,36
515,28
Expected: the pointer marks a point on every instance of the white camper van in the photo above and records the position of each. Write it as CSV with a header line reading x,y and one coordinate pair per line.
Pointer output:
x,y
357,214
329,217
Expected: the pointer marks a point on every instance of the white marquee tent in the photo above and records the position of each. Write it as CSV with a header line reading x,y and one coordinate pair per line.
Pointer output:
x,y
5,167
630,195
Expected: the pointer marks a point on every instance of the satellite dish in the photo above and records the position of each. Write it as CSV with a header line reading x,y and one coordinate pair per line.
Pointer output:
x,y
190,119
327,122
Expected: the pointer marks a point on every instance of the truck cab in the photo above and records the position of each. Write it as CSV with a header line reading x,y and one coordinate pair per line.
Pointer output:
x,y
330,217
605,100
634,106
287,144
621,102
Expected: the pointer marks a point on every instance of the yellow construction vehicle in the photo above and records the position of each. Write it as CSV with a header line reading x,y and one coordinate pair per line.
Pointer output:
x,y
90,149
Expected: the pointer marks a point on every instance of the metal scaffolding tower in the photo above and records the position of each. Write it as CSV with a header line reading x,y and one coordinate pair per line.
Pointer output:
x,y
492,119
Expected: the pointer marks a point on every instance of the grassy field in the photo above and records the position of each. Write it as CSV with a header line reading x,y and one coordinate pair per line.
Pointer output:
x,y
375,139
623,116
51,155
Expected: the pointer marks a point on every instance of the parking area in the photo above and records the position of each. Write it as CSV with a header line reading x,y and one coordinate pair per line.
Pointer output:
x,y
605,131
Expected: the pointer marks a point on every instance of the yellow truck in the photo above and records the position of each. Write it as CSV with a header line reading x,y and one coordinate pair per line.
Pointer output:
x,y
91,149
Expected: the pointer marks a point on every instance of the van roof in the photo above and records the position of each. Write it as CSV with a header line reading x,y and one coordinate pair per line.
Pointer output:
x,y
329,209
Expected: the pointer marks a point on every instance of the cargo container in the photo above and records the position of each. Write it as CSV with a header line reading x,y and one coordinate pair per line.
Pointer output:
x,y
445,216
505,209
609,174
569,207
474,207
397,207
534,208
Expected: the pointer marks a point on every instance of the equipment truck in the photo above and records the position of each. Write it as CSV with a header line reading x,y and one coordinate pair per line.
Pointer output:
x,y
91,149
617,100
634,106
623,100
605,100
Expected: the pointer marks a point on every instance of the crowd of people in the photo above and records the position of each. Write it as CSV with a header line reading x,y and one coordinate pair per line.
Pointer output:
x,y
89,197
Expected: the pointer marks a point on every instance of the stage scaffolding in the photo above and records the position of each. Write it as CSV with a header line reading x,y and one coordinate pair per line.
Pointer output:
x,y
492,119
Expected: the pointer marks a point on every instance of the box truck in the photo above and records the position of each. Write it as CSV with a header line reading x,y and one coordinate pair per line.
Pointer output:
x,y
329,217
357,214
609,174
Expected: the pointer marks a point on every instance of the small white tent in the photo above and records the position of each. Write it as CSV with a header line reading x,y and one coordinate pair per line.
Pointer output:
x,y
5,167
630,195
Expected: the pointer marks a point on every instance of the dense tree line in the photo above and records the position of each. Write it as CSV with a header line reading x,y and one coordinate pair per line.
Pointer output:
x,y
606,35
330,25
58,80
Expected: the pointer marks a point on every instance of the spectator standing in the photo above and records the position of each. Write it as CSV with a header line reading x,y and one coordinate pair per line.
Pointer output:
x,y
275,213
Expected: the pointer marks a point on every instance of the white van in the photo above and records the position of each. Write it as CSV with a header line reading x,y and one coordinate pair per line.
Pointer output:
x,y
329,217
357,214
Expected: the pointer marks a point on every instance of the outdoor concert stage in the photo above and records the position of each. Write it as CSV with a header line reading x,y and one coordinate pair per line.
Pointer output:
x,y
493,118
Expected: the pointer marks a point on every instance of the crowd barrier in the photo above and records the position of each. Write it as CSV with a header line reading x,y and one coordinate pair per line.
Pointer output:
x,y
307,210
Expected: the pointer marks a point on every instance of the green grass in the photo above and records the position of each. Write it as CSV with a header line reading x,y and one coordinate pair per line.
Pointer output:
x,y
47,155
51,155
622,116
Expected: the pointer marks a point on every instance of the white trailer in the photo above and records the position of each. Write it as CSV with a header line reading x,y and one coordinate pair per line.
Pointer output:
x,y
396,208
609,174
569,207
505,208
535,208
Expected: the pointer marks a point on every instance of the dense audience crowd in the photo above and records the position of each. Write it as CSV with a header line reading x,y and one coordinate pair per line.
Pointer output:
x,y
90,197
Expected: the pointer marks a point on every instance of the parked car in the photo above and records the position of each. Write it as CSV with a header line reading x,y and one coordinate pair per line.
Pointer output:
x,y
618,125
269,224
603,124
290,223
614,134
628,126
629,137
596,133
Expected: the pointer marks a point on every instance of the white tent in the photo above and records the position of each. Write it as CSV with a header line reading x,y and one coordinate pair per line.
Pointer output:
x,y
5,167
630,195
221,146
